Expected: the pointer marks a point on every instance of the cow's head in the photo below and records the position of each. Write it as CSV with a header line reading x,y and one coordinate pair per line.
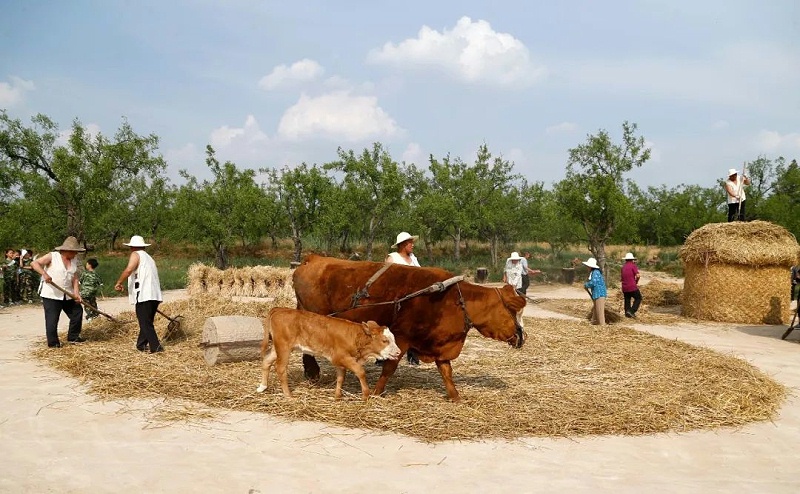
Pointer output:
x,y
381,342
504,317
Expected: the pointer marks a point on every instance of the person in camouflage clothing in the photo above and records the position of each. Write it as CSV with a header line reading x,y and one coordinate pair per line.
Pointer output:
x,y
90,287
10,290
28,279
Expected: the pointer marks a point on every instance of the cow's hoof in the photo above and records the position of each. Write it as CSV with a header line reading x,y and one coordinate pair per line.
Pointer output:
x,y
261,388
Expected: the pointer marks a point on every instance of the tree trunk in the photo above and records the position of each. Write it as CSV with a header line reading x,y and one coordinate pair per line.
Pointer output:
x,y
598,250
457,245
222,255
493,245
298,244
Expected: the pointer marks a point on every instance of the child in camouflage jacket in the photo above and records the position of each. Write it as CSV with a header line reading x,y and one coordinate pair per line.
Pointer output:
x,y
90,287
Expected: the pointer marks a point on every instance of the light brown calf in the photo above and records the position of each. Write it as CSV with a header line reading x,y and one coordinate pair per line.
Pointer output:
x,y
344,343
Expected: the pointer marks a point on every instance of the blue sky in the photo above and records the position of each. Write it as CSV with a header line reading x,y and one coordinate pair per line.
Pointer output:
x,y
711,84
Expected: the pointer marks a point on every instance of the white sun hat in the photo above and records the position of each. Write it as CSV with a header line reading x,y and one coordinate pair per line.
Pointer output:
x,y
514,256
402,237
591,262
136,241
732,171
629,257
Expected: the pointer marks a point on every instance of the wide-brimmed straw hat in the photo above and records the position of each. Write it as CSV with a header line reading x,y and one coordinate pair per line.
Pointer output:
x,y
591,262
514,256
732,172
71,244
402,237
136,241
629,257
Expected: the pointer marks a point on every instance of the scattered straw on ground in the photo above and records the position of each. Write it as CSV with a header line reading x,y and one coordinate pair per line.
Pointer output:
x,y
645,315
570,379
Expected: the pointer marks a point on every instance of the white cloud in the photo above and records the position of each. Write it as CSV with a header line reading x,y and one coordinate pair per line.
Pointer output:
x,y
471,51
563,127
251,133
414,154
91,130
304,70
336,115
773,141
12,93
720,125
184,157
655,154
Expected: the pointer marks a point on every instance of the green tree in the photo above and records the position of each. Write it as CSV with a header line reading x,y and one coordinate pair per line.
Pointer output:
x,y
216,211
594,189
300,192
72,182
377,182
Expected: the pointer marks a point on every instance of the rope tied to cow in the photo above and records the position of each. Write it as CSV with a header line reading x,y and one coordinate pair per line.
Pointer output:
x,y
439,286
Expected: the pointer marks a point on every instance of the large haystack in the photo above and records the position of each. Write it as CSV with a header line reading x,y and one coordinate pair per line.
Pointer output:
x,y
738,272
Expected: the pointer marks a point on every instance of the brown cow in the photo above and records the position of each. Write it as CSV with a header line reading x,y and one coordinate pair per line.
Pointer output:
x,y
435,325
346,344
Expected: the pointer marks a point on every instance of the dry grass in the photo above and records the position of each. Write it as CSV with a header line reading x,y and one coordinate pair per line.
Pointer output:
x,y
570,379
614,305
753,243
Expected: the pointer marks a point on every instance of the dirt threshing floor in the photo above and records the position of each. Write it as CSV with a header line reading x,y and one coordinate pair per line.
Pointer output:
x,y
570,379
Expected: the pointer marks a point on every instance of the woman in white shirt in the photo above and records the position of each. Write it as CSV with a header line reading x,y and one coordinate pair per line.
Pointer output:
x,y
405,250
404,254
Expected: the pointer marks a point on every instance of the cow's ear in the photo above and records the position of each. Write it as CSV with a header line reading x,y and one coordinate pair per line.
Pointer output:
x,y
365,327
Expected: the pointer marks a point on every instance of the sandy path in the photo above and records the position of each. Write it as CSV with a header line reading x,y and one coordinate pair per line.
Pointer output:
x,y
56,438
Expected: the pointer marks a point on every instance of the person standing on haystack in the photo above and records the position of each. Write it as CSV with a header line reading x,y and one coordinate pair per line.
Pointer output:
x,y
144,291
404,254
734,188
60,268
630,285
596,286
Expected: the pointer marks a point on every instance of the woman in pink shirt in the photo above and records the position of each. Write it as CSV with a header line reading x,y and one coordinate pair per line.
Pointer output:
x,y
630,287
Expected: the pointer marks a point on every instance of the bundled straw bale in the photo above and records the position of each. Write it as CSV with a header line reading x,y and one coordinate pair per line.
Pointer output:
x,y
738,272
196,284
255,281
213,281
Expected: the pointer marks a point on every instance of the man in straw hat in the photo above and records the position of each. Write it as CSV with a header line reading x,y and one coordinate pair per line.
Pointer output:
x,y
630,285
60,268
734,188
144,291
596,286
404,254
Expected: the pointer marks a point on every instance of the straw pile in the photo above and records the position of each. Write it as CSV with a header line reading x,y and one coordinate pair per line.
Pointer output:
x,y
738,272
656,293
570,379
580,308
255,281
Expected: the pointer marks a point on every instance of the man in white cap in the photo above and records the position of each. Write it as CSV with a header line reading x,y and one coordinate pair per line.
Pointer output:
x,y
734,188
144,291
630,285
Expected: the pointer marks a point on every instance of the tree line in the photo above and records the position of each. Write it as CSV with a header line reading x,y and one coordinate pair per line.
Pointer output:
x,y
103,188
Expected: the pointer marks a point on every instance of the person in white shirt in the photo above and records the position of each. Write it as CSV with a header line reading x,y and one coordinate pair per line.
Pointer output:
x,y
404,254
734,189
144,291
60,268
512,275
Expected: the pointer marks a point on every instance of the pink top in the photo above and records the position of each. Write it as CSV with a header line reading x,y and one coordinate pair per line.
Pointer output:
x,y
629,272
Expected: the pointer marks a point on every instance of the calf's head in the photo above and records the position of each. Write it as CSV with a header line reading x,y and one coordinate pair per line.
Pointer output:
x,y
381,342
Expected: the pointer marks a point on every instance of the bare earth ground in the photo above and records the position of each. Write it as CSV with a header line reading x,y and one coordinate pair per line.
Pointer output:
x,y
56,438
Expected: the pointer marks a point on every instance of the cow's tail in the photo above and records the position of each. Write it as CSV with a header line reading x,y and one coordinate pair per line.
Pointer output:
x,y
267,336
